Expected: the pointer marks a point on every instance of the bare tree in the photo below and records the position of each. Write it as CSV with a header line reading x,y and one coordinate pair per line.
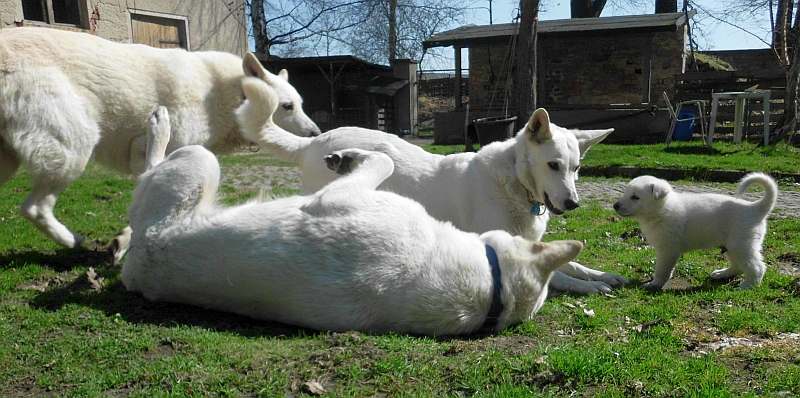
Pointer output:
x,y
289,22
586,8
665,6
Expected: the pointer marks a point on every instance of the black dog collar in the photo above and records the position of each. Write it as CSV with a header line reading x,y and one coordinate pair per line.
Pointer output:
x,y
496,308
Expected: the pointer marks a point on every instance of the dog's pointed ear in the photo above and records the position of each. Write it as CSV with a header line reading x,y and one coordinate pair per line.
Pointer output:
x,y
660,189
284,74
538,126
587,138
252,67
551,255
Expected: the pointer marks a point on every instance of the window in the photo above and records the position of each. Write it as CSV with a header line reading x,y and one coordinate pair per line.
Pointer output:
x,y
66,12
159,30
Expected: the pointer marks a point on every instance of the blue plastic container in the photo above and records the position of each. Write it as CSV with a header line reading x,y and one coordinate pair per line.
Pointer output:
x,y
685,128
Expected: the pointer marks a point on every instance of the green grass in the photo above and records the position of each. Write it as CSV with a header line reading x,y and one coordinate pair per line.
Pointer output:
x,y
684,155
70,340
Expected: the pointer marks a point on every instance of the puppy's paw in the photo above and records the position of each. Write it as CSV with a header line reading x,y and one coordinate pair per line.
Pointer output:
x,y
722,274
652,286
612,279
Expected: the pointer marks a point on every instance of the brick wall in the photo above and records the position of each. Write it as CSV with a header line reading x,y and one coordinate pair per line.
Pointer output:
x,y
593,68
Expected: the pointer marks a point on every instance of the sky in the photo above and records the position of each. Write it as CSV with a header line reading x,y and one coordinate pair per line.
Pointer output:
x,y
709,33
717,35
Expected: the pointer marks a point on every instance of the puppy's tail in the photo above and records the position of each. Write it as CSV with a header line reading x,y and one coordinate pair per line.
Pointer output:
x,y
255,121
767,203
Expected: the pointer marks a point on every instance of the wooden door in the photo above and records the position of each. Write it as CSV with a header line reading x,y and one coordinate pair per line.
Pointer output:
x,y
158,32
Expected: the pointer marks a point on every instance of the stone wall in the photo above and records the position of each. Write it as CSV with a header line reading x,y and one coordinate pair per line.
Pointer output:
x,y
592,68
212,24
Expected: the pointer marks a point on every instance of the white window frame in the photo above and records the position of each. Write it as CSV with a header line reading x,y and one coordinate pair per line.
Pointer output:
x,y
51,19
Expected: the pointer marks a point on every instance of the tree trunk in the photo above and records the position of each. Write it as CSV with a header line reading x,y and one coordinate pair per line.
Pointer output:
x,y
666,6
791,105
525,62
392,31
780,33
259,21
586,8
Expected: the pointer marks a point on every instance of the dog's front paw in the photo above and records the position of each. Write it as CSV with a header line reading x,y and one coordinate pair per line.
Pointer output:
x,y
653,286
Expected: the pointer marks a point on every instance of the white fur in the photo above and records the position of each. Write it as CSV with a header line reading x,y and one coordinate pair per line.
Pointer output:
x,y
346,257
676,222
66,97
477,192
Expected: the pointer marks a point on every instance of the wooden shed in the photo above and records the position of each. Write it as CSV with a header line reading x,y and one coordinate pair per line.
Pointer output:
x,y
344,90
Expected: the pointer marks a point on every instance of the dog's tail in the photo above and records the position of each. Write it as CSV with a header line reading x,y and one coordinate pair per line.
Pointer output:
x,y
255,120
767,203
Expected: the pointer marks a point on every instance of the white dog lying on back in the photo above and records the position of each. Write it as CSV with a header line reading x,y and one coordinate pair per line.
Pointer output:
x,y
675,222
500,187
346,257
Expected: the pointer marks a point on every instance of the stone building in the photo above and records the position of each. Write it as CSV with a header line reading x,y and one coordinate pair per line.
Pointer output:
x,y
588,69
191,24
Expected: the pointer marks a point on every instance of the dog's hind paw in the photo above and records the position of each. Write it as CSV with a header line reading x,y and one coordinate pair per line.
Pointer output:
x,y
612,279
339,163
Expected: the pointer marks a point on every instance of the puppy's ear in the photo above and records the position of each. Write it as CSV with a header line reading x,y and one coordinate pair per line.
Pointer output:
x,y
551,255
538,126
284,74
660,189
587,138
252,67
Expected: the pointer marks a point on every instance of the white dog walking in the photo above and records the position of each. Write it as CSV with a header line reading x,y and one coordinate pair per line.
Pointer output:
x,y
347,257
505,186
675,222
66,97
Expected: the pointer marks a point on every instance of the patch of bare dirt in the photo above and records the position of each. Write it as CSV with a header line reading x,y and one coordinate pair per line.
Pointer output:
x,y
165,348
789,264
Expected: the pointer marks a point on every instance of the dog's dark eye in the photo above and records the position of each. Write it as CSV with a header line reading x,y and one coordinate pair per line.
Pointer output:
x,y
288,106
577,168
634,197
553,166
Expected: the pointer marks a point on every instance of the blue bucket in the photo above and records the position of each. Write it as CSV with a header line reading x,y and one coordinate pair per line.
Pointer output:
x,y
685,128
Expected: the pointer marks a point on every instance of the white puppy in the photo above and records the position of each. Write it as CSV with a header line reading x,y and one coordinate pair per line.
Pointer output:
x,y
506,185
347,257
68,97
675,222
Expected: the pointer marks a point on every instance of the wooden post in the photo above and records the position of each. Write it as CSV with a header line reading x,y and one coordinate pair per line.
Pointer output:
x,y
458,95
524,87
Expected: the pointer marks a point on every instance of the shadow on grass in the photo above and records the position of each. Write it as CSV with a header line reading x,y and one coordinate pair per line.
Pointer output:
x,y
693,150
115,301
58,260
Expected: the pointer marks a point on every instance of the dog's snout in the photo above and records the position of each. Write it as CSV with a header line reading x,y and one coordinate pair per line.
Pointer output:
x,y
570,204
616,206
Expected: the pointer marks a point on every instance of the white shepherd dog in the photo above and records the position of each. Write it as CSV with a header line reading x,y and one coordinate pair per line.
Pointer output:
x,y
505,186
347,257
676,222
66,97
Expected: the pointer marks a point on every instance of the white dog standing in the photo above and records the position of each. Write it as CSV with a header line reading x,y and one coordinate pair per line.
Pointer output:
x,y
675,222
505,186
347,257
66,97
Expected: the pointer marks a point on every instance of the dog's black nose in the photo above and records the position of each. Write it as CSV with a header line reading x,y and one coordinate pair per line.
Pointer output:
x,y
616,206
570,204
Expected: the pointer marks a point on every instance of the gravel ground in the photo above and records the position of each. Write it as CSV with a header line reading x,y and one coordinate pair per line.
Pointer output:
x,y
254,177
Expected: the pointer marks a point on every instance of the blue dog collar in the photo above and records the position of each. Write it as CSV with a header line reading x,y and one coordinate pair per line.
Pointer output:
x,y
496,308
